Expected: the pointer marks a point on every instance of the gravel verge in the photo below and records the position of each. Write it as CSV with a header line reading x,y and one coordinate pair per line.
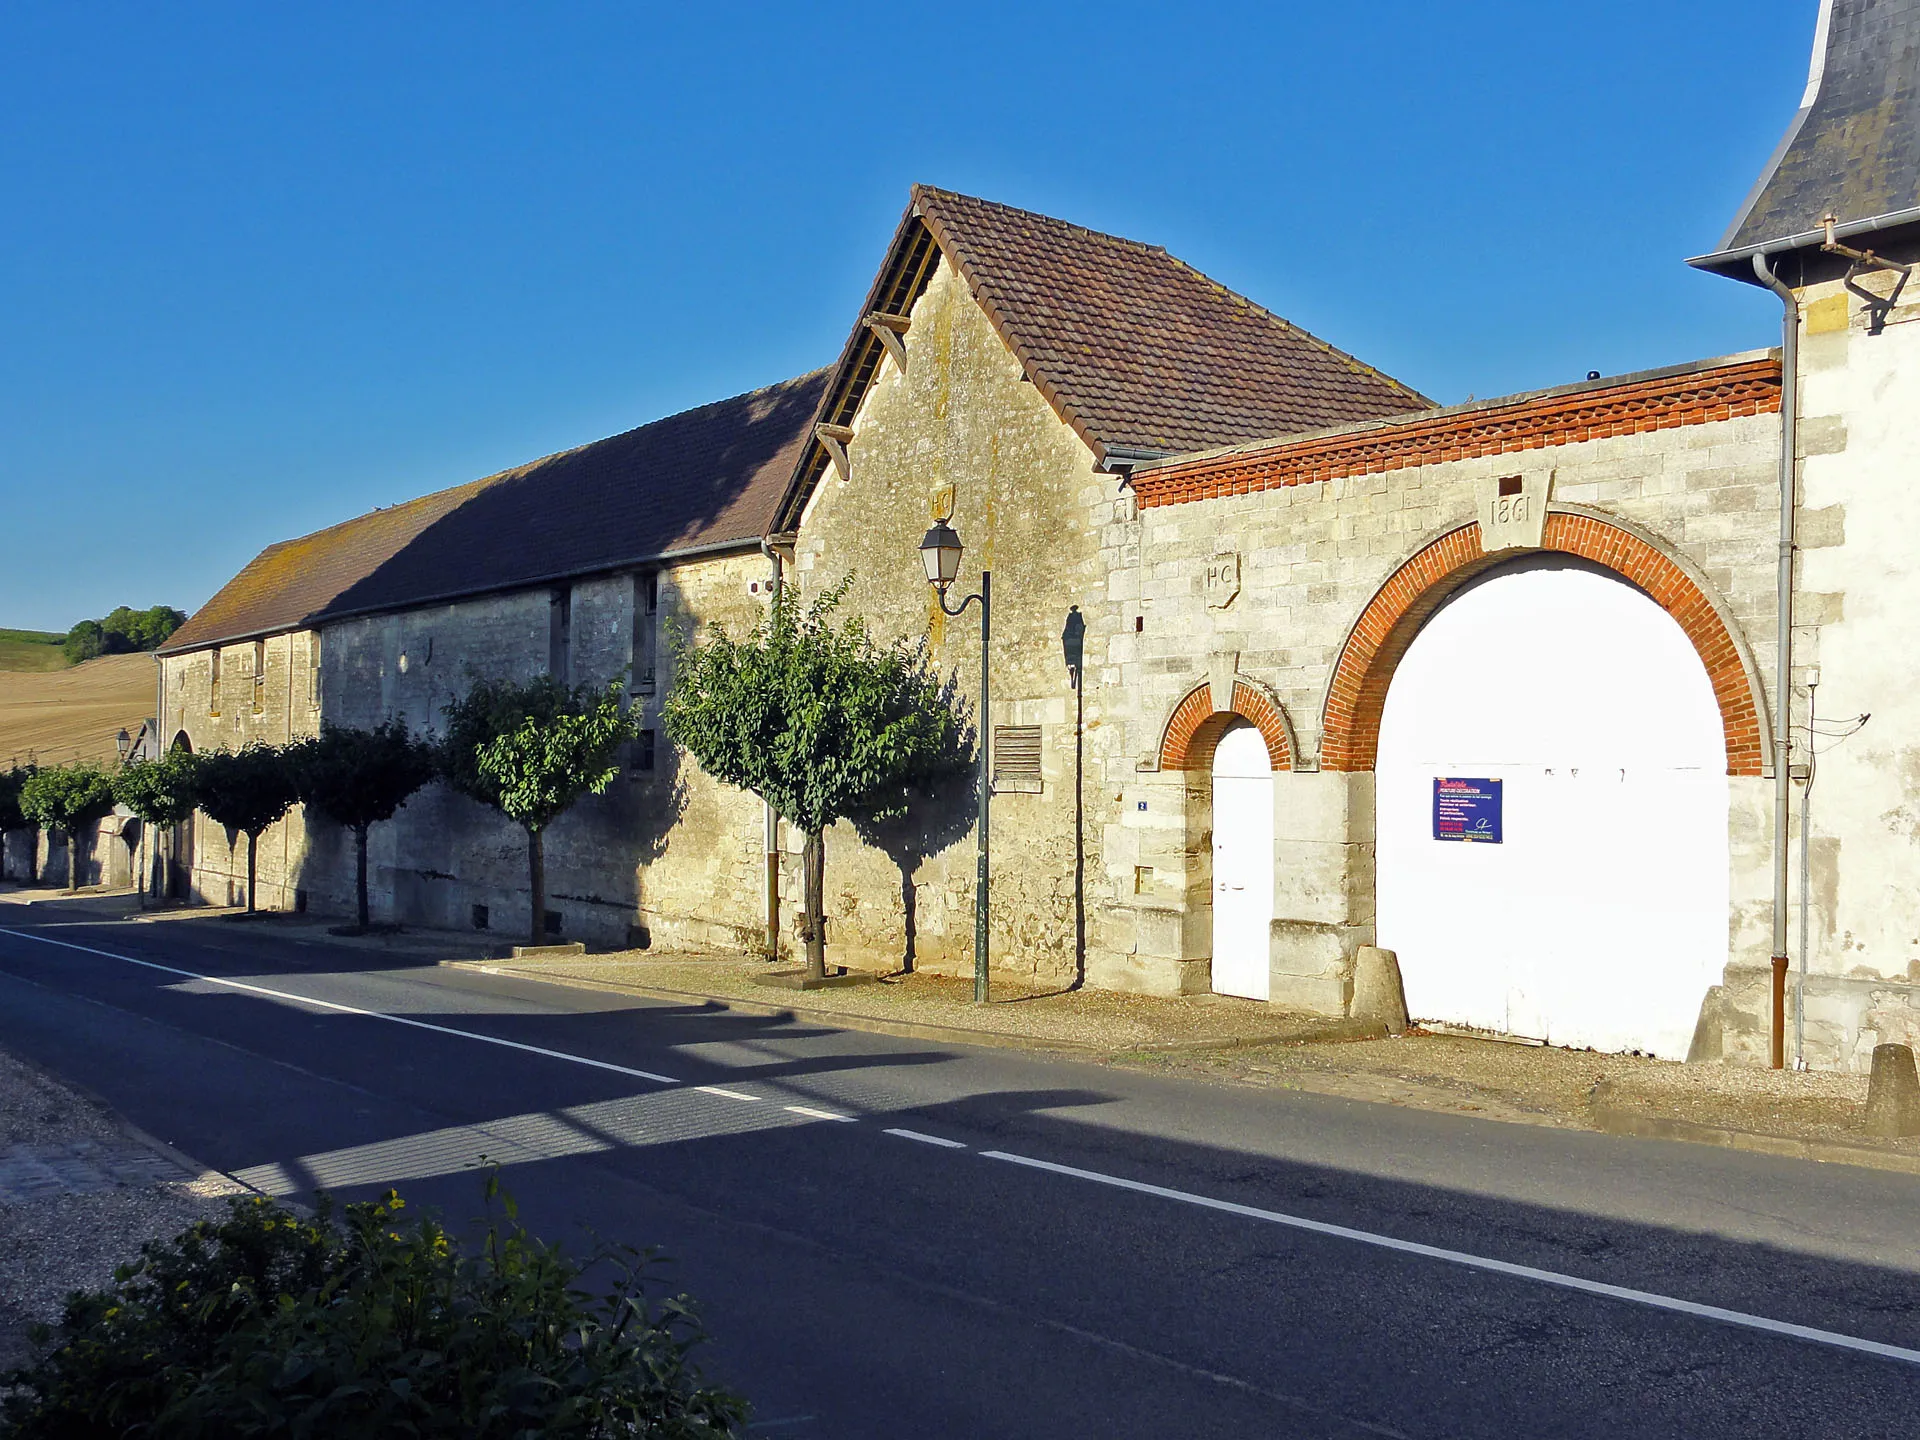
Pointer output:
x,y
79,1194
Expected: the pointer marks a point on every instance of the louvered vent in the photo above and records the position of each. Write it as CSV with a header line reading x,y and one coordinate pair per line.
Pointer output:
x,y
1016,759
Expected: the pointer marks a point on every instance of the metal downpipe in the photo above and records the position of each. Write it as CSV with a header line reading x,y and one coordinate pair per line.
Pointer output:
x,y
1783,682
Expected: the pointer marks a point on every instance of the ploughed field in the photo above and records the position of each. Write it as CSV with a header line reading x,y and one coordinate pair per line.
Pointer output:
x,y
74,713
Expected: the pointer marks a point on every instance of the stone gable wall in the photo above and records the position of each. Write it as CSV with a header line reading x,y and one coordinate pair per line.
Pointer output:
x,y
1028,505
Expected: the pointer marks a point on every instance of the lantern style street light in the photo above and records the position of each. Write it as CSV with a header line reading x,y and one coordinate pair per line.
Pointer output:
x,y
941,553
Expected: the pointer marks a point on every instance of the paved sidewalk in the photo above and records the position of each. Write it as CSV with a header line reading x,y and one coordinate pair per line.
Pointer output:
x,y
1227,1041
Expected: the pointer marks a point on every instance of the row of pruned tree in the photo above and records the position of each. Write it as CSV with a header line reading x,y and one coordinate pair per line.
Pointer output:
x,y
822,722
529,749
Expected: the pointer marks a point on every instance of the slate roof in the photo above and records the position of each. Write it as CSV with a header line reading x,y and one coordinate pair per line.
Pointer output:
x,y
1139,352
705,478
1853,147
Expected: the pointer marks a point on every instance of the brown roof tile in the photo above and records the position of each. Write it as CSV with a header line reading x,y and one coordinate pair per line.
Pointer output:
x,y
705,477
1136,350
1139,349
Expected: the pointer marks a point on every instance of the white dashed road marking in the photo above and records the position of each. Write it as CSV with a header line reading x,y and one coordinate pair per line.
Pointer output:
x,y
1478,1262
927,1139
1485,1264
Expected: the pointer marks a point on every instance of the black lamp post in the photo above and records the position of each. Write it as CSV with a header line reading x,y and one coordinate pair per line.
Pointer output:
x,y
941,553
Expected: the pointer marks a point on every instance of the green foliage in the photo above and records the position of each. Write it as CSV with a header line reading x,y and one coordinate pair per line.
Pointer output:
x,y
247,789
361,1324
161,792
35,650
123,631
532,749
12,817
823,723
358,778
67,797
85,641
71,799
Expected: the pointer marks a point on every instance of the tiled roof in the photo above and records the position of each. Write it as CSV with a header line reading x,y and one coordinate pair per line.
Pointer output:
x,y
1854,146
704,478
1139,352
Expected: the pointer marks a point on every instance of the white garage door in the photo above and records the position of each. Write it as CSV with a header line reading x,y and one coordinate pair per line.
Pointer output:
x,y
1600,915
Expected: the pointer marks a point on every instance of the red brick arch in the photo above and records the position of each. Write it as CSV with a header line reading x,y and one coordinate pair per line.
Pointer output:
x,y
1350,723
1196,727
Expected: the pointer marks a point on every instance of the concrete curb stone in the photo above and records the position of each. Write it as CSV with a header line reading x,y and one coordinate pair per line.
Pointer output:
x,y
1612,1118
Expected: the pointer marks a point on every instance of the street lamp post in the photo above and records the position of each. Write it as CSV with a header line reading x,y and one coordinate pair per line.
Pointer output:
x,y
940,551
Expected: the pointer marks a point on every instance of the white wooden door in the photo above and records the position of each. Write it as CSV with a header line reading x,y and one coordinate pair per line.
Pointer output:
x,y
1242,863
1601,917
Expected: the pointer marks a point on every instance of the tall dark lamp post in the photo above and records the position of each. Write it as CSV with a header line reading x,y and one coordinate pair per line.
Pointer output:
x,y
941,553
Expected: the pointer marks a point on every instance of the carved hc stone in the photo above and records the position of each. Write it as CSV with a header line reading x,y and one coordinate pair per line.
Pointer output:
x,y
1513,510
1222,579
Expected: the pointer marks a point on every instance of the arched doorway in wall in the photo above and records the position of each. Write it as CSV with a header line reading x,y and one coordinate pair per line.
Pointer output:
x,y
179,879
1242,862
1552,812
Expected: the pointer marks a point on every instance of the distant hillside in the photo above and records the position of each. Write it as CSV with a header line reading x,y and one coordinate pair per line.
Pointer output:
x,y
76,713
31,650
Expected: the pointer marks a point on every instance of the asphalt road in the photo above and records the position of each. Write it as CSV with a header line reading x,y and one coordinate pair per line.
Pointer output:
x,y
892,1238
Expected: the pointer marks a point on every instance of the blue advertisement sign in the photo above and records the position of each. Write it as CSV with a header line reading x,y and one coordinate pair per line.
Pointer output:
x,y
1466,809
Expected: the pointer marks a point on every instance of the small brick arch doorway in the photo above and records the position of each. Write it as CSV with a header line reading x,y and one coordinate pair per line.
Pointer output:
x,y
1233,752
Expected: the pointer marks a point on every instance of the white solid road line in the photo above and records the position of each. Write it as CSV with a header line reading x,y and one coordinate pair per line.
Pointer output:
x,y
353,1010
926,1139
1480,1262
1140,1187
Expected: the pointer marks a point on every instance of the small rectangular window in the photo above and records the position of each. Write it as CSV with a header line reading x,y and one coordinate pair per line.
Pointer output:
x,y
646,624
560,634
640,752
313,669
213,684
259,676
1016,759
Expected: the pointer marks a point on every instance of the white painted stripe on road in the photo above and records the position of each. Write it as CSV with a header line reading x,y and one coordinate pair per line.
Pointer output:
x,y
818,1114
1481,1262
1648,1298
335,1006
926,1139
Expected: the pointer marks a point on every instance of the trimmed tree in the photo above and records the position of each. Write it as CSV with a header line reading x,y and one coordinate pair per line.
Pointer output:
x,y
71,799
247,790
163,792
824,723
531,750
12,817
359,778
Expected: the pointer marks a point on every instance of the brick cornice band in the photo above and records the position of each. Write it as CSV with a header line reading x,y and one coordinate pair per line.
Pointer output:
x,y
1195,728
1357,695
1750,387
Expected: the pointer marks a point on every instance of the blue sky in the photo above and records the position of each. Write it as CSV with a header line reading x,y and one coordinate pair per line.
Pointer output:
x,y
263,268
